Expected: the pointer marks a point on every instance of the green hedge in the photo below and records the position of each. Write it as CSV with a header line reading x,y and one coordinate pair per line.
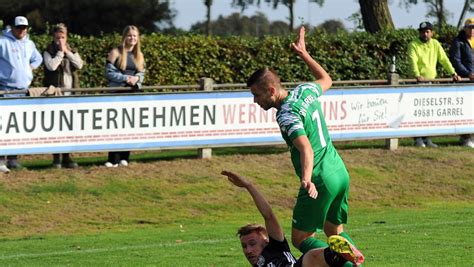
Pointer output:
x,y
181,60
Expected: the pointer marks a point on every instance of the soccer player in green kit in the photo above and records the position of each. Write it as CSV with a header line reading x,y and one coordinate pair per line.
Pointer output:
x,y
322,203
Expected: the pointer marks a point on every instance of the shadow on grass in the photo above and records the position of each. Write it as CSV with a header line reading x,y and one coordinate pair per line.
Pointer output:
x,y
169,155
162,155
403,142
193,153
37,165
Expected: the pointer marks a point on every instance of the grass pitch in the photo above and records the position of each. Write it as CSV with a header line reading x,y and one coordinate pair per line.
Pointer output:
x,y
411,207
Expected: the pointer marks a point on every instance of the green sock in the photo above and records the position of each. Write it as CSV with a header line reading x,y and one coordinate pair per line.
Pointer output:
x,y
346,236
310,243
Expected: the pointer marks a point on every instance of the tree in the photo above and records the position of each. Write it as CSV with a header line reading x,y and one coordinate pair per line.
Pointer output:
x,y
467,7
436,9
376,15
91,17
356,19
288,3
208,4
331,26
243,4
258,25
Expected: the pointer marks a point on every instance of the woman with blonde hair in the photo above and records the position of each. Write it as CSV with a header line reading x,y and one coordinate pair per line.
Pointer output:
x,y
125,67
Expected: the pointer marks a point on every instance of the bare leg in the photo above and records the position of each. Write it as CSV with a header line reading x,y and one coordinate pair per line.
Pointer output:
x,y
298,236
332,229
314,258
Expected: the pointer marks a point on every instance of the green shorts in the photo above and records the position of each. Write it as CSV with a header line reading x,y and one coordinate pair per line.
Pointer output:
x,y
331,204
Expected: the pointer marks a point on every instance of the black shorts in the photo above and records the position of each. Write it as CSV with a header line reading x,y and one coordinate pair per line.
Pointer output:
x,y
299,262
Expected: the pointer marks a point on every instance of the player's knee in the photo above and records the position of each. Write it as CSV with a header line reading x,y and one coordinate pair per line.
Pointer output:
x,y
297,238
332,229
296,241
314,257
329,231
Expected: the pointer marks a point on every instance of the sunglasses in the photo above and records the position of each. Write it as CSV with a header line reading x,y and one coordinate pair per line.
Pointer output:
x,y
21,27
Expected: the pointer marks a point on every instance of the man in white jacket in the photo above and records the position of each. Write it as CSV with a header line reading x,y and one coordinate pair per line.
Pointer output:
x,y
18,58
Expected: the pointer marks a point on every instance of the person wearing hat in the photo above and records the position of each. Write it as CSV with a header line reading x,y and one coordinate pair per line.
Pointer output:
x,y
461,55
424,54
18,58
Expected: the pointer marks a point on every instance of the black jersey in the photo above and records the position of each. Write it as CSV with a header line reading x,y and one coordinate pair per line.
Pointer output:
x,y
276,254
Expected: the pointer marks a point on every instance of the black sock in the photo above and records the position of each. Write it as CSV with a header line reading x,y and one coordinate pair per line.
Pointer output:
x,y
333,259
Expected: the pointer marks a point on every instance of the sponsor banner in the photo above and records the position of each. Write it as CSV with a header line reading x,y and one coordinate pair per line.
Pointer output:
x,y
210,119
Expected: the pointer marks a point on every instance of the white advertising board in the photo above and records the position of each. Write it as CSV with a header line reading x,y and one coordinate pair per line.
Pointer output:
x,y
210,119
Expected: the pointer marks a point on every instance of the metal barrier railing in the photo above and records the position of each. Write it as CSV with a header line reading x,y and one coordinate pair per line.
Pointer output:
x,y
207,84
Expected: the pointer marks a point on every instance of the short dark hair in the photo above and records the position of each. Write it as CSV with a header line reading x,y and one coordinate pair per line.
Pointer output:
x,y
263,77
250,228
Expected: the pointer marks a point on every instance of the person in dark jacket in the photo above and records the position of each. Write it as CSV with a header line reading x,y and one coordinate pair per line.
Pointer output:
x,y
61,66
461,55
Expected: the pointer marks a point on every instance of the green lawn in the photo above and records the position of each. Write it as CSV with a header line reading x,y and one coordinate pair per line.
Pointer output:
x,y
437,235
410,207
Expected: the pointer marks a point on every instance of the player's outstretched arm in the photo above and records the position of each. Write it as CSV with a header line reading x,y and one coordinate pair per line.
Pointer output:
x,y
271,222
322,77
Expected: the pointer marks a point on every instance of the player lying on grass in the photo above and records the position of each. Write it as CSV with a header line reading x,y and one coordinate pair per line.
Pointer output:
x,y
267,245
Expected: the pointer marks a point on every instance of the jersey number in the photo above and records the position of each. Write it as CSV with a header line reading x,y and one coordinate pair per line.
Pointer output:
x,y
317,120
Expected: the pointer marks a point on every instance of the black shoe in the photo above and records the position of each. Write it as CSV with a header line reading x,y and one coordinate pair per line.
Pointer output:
x,y
56,163
69,164
14,164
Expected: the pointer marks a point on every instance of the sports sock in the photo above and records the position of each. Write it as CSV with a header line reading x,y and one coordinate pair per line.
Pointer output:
x,y
333,259
310,243
346,236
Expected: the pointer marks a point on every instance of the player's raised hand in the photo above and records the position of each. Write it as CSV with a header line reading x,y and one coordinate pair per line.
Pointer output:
x,y
236,179
311,188
299,46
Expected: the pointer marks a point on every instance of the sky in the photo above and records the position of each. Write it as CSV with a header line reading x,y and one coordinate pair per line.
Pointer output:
x,y
192,11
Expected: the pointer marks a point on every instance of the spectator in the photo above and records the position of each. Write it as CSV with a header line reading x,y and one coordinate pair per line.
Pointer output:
x,y
461,55
61,65
125,67
18,58
423,54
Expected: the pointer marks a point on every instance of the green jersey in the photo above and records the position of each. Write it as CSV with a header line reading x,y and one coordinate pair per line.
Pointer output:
x,y
301,114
